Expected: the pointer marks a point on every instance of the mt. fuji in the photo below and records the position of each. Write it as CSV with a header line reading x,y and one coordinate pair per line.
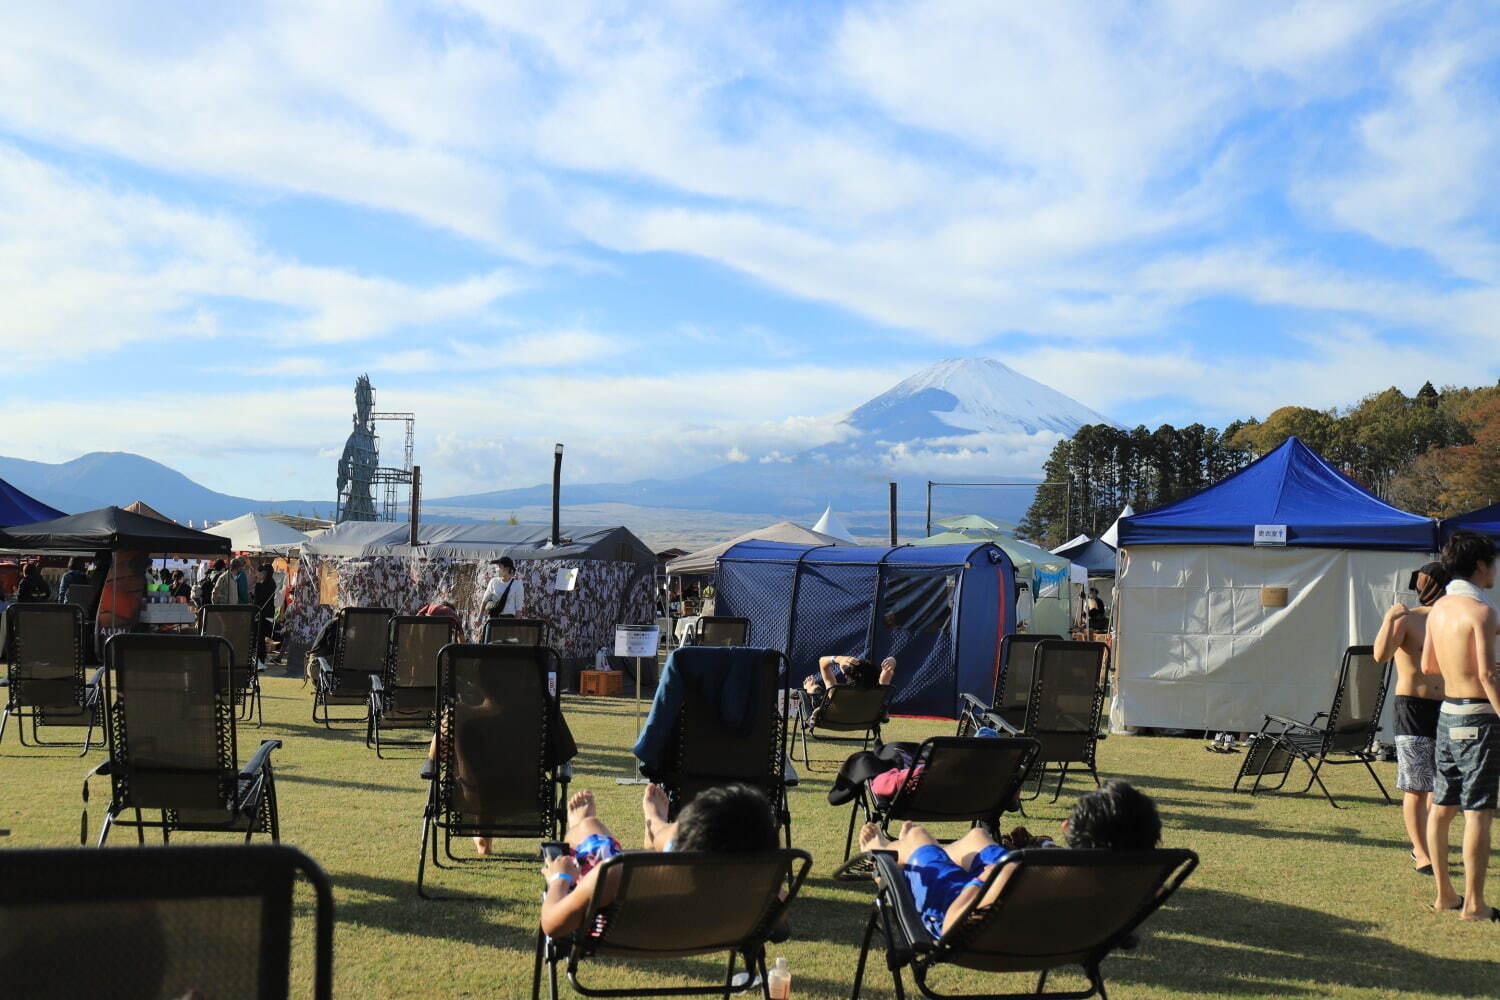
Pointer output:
x,y
969,419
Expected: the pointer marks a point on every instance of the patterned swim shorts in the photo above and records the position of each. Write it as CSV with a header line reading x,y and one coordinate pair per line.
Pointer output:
x,y
1416,763
1468,761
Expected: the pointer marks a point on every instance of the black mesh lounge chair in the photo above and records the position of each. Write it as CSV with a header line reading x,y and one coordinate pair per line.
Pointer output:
x,y
158,922
718,630
1062,713
846,708
45,681
649,906
1059,909
1348,729
704,754
953,779
405,696
497,773
237,625
516,631
363,647
168,708
1012,684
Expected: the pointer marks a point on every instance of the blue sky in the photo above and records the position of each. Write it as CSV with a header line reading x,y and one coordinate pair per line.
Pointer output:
x,y
663,232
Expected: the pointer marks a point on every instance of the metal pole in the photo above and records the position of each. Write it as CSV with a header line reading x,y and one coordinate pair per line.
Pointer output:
x,y
1068,512
639,662
893,514
556,495
416,503
927,529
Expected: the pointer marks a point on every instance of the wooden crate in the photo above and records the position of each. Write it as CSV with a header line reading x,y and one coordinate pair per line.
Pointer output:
x,y
600,682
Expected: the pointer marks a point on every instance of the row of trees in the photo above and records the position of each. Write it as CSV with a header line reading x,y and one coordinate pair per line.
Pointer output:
x,y
1435,453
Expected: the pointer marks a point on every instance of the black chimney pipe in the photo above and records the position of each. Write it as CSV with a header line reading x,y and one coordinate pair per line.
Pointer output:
x,y
556,495
416,503
893,515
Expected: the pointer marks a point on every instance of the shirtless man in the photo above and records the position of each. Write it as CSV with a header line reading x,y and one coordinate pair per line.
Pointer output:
x,y
1415,712
1460,645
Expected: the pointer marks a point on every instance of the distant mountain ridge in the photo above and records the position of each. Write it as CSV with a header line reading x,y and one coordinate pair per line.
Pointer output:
x,y
105,478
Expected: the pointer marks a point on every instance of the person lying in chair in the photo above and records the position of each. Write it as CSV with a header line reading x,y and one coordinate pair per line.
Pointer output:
x,y
853,670
728,819
945,879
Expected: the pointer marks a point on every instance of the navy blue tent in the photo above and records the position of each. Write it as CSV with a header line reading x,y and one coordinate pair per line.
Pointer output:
x,y
939,610
1485,520
1292,486
1094,555
18,508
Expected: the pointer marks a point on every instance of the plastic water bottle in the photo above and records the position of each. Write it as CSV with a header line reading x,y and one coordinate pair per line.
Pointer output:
x,y
601,659
779,980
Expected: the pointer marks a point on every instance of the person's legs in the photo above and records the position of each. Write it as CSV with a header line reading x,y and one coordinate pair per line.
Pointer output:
x,y
1476,859
654,807
1415,765
912,838
1414,806
1439,819
583,822
963,850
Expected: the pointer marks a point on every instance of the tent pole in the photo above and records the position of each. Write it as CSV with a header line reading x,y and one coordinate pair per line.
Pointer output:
x,y
928,529
416,502
557,453
893,514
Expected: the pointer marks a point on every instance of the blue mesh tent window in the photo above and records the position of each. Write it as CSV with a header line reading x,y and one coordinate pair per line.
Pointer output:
x,y
940,610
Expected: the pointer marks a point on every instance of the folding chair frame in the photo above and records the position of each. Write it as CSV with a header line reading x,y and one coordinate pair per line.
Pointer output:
x,y
973,711
248,698
807,727
1034,708
1307,742
15,683
383,687
908,944
326,676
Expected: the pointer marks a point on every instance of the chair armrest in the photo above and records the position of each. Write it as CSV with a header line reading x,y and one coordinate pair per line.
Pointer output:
x,y
789,776
261,759
1293,723
565,773
377,685
1001,725
894,887
975,706
95,677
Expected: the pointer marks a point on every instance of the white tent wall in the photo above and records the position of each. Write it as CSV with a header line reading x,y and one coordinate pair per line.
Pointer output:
x,y
1196,650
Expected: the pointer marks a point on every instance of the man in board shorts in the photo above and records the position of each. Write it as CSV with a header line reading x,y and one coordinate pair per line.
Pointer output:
x,y
1415,712
1461,632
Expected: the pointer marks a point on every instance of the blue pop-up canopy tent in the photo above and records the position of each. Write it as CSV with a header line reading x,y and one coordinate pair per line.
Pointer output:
x,y
939,610
1213,630
19,508
1485,520
1292,486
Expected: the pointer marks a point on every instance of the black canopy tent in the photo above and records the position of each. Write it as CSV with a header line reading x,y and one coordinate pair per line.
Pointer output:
x,y
110,529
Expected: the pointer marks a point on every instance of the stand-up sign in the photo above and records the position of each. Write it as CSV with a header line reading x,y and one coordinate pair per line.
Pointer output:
x,y
636,640
1270,534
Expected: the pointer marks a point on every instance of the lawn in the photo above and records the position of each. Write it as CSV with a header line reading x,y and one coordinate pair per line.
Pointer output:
x,y
1293,898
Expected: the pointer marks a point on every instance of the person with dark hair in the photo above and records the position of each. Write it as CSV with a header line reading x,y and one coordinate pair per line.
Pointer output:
x,y
33,587
77,574
263,597
1415,710
728,819
505,595
853,670
225,588
1460,646
181,589
946,879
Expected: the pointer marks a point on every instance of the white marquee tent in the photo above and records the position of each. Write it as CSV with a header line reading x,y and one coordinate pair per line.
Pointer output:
x,y
257,533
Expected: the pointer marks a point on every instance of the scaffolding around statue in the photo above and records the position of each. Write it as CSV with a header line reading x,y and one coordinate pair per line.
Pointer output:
x,y
360,471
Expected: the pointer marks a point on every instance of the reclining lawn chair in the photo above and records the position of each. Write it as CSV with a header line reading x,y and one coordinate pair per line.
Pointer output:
x,y
650,906
169,721
237,624
1059,908
952,779
158,922
364,646
45,681
718,630
846,708
498,771
704,752
1349,728
405,697
1012,684
516,631
1062,713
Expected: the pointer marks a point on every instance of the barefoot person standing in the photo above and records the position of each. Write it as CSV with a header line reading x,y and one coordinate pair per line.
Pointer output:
x,y
1461,633
1415,713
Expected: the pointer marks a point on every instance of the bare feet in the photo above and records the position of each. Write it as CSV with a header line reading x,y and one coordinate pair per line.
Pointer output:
x,y
482,846
873,838
887,670
654,807
580,807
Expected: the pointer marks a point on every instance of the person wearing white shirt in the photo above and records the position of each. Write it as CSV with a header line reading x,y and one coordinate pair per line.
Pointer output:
x,y
505,594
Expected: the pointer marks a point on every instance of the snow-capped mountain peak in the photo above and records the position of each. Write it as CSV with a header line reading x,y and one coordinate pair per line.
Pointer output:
x,y
970,395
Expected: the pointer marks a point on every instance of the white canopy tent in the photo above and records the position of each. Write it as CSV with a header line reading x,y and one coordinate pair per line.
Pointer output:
x,y
831,524
257,533
1112,536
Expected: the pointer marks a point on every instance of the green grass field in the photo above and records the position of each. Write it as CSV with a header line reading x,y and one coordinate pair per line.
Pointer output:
x,y
1292,898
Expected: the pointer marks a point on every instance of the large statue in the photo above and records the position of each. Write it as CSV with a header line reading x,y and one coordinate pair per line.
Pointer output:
x,y
357,464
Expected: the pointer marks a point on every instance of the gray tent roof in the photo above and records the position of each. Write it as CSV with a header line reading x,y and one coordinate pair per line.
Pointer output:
x,y
479,542
707,560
